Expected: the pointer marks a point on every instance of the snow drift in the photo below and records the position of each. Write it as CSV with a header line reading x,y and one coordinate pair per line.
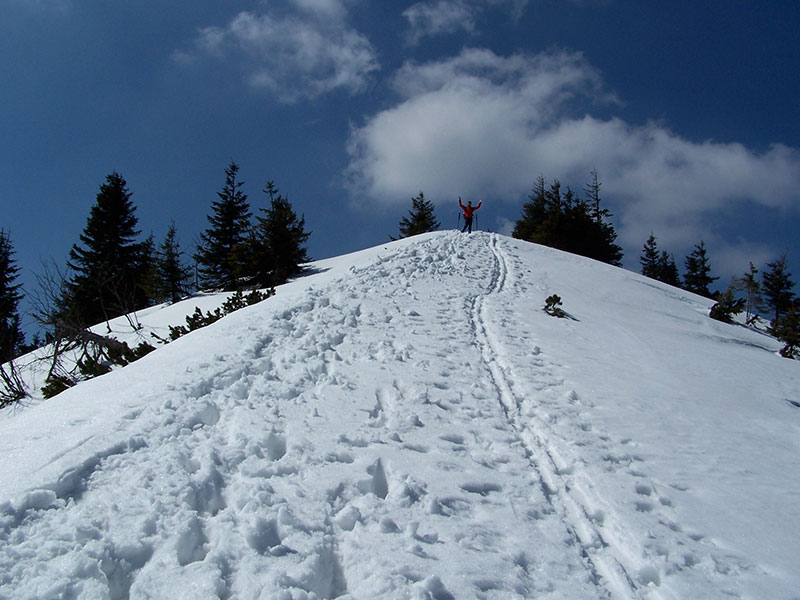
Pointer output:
x,y
408,423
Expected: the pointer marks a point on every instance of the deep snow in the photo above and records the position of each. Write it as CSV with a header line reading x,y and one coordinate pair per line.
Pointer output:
x,y
408,423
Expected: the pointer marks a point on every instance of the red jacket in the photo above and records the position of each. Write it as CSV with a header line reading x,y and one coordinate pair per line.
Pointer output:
x,y
468,210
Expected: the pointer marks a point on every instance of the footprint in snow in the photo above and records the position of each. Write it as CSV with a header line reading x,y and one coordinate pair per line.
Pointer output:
x,y
377,484
416,448
454,438
481,488
449,506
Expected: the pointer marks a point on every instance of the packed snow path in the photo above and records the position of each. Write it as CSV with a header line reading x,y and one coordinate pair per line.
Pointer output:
x,y
393,432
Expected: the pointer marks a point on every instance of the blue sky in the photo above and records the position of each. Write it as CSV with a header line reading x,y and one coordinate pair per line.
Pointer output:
x,y
689,111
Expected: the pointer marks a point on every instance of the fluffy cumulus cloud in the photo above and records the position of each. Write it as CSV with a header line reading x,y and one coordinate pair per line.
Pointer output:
x,y
434,17
467,123
483,125
302,53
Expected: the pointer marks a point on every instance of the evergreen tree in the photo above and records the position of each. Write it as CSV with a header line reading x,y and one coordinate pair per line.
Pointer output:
x,y
727,306
668,270
11,337
560,220
421,218
602,237
222,254
109,266
697,277
778,286
533,212
660,267
649,258
608,250
280,239
172,276
787,329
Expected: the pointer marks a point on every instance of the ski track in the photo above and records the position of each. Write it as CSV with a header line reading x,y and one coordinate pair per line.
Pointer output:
x,y
606,571
293,471
626,560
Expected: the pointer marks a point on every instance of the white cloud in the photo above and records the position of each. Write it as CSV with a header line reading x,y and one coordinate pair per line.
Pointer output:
x,y
443,16
482,125
292,56
435,17
467,123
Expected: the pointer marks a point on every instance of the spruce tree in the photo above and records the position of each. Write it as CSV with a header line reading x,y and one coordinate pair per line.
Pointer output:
x,y
172,276
601,236
421,218
787,329
109,265
697,277
560,220
608,250
778,286
727,306
533,212
658,266
668,270
649,258
11,337
280,239
222,254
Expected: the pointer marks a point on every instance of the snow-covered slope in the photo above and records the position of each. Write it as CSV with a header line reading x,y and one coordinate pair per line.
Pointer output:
x,y
408,423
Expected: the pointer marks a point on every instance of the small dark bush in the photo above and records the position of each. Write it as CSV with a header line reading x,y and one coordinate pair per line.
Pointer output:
x,y
552,306
198,320
726,307
56,384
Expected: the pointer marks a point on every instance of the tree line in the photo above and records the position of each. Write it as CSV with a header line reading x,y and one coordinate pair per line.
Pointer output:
x,y
112,271
769,298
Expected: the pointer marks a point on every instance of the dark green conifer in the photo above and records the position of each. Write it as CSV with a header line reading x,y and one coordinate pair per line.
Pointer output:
x,y
649,258
778,286
109,266
698,272
421,218
727,306
172,276
668,270
223,252
533,212
11,338
560,220
280,239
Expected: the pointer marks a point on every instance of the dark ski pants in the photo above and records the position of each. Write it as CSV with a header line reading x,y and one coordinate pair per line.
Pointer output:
x,y
467,224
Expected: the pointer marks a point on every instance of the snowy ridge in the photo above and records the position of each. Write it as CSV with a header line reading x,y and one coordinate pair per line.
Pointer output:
x,y
407,423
